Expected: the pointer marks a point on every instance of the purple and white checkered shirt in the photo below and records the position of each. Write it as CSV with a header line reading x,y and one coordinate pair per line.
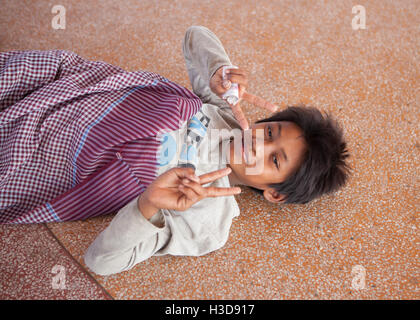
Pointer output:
x,y
78,138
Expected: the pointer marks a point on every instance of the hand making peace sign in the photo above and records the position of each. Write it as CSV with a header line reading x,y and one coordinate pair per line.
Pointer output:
x,y
220,86
179,188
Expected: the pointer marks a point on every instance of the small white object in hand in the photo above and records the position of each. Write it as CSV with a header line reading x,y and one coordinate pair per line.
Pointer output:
x,y
232,95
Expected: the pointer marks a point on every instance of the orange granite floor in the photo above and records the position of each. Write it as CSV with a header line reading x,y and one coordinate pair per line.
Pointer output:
x,y
295,52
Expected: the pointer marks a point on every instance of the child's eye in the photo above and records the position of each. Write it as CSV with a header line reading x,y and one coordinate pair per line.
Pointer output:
x,y
274,157
275,161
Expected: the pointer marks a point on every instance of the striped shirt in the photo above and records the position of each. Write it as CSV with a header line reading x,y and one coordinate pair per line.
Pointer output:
x,y
78,138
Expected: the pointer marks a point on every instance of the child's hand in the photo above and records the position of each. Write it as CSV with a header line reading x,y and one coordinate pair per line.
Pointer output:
x,y
179,188
219,87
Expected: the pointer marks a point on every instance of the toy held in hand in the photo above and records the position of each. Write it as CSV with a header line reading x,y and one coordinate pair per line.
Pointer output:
x,y
232,95
224,83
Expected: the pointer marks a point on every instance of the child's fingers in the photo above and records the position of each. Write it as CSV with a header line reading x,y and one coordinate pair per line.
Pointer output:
x,y
201,192
259,102
220,86
187,173
214,175
240,116
189,193
241,92
198,189
221,192
226,84
235,71
238,78
236,75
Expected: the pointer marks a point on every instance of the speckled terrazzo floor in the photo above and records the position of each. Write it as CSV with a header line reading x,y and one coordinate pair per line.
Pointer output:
x,y
34,265
295,52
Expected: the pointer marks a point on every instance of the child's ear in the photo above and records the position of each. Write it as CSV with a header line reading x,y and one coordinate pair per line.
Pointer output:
x,y
273,196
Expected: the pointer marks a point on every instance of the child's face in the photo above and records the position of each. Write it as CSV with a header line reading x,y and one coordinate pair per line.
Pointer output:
x,y
279,155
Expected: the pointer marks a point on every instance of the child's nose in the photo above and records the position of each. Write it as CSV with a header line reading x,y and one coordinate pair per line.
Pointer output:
x,y
258,145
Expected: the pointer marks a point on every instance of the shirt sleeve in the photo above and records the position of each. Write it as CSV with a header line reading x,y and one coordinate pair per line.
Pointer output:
x,y
129,239
205,51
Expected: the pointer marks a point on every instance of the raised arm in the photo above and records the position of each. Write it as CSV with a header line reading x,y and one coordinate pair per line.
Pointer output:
x,y
205,56
204,52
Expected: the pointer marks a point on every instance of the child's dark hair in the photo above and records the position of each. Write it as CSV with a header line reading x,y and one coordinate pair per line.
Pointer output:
x,y
323,169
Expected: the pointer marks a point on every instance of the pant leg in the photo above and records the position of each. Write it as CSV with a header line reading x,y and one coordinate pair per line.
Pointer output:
x,y
204,55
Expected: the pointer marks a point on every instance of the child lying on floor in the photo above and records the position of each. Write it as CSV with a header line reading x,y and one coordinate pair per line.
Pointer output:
x,y
188,209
